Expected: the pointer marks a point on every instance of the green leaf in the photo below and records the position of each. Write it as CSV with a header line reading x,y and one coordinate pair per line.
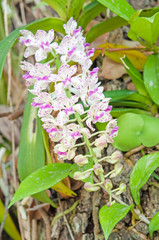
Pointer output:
x,y
154,224
118,94
136,129
133,104
149,12
141,173
150,131
45,24
103,27
31,150
145,28
9,226
151,77
135,76
90,12
129,134
60,6
120,7
110,216
74,8
41,180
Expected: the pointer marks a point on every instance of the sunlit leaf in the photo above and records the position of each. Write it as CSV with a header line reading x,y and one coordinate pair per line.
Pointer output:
x,y
62,188
9,226
154,224
151,77
41,180
145,28
121,7
141,173
110,216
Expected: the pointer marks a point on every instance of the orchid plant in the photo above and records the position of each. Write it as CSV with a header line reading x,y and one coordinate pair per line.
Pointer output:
x,y
76,88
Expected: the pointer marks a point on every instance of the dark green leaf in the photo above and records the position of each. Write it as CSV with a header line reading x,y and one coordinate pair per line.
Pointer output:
x,y
60,6
103,27
118,94
141,173
151,76
130,104
145,28
120,7
90,12
149,12
74,8
135,76
110,216
154,224
41,180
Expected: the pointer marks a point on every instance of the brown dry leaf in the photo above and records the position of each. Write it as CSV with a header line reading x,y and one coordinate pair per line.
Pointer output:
x,y
111,69
131,86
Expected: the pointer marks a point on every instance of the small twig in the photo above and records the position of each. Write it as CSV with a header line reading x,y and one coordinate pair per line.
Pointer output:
x,y
47,223
66,222
6,198
155,184
22,12
34,229
16,114
37,207
134,150
5,114
65,212
128,49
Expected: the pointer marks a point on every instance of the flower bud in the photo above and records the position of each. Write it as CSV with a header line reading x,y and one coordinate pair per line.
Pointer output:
x,y
80,160
91,187
98,169
97,152
108,184
101,142
122,189
81,175
117,170
115,157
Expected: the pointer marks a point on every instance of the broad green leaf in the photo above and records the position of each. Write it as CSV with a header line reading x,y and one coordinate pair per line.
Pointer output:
x,y
129,134
60,6
117,112
74,8
45,24
31,150
150,131
141,173
90,12
120,7
41,180
135,76
151,76
110,216
136,129
145,28
154,224
103,27
9,226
